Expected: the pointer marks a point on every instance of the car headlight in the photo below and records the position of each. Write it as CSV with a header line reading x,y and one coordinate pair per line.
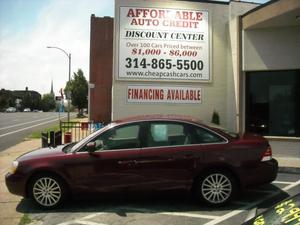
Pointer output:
x,y
14,166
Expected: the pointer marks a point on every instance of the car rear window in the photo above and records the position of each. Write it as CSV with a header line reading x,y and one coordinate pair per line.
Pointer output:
x,y
224,130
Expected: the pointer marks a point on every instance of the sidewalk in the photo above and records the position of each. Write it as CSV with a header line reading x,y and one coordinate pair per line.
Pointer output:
x,y
9,202
288,164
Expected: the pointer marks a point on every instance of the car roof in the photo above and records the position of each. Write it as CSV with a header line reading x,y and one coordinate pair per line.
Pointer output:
x,y
165,117
172,117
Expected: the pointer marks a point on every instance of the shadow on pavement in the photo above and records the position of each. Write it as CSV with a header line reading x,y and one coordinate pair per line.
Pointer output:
x,y
122,204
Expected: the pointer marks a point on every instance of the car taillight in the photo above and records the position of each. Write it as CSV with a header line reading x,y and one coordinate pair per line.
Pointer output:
x,y
267,155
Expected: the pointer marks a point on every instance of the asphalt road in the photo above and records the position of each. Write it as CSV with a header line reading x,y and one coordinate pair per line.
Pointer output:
x,y
164,209
14,127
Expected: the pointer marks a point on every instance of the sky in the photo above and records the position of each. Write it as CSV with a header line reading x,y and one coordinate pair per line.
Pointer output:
x,y
27,27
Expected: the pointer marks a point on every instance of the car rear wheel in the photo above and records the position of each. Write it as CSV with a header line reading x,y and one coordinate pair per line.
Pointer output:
x,y
216,188
47,191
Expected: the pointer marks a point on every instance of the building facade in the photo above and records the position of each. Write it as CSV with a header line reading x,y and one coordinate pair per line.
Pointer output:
x,y
238,59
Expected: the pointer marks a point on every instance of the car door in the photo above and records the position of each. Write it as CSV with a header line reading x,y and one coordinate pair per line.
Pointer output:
x,y
167,157
112,166
213,146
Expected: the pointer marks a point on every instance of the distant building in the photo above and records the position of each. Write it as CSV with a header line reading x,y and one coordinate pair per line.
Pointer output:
x,y
29,99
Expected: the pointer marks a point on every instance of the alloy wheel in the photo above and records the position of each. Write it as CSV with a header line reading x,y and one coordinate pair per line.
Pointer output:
x,y
216,188
47,191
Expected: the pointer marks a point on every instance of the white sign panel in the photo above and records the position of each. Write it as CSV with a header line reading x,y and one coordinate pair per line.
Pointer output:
x,y
163,94
163,44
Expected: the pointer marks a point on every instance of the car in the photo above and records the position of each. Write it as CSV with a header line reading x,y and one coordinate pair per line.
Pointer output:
x,y
285,212
11,109
27,110
146,153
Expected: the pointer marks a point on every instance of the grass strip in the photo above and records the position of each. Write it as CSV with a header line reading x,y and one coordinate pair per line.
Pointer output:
x,y
25,220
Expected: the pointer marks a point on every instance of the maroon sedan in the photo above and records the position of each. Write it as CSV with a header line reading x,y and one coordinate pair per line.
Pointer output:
x,y
146,153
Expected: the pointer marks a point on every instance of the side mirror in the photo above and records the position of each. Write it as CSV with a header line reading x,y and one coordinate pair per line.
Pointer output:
x,y
94,145
91,146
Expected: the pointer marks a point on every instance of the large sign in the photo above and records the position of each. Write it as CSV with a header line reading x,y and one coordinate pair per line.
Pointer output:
x,y
163,94
163,44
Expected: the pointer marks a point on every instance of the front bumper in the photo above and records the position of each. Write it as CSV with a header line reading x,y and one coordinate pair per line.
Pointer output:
x,y
16,184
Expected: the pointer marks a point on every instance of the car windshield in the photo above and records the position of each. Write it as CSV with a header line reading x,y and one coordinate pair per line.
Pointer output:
x,y
89,137
68,147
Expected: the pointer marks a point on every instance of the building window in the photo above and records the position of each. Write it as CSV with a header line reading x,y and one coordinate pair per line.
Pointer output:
x,y
273,103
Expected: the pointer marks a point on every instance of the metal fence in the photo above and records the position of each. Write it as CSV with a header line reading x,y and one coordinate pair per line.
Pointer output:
x,y
75,131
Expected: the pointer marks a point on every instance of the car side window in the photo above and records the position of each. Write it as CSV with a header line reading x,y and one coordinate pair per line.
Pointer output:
x,y
203,136
124,137
167,134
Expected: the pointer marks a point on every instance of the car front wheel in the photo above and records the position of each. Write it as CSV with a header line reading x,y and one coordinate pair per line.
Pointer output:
x,y
216,188
47,191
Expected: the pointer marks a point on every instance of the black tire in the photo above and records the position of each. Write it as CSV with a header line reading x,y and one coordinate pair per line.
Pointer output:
x,y
47,191
216,187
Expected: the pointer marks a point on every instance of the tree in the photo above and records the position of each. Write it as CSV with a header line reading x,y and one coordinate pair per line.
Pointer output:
x,y
48,102
4,96
78,88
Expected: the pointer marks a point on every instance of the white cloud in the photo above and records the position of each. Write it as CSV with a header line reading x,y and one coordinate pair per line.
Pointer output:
x,y
24,58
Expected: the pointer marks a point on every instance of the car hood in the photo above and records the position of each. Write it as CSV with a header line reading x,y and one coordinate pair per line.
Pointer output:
x,y
42,153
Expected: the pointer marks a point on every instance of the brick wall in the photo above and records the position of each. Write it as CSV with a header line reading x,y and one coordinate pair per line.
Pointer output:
x,y
101,66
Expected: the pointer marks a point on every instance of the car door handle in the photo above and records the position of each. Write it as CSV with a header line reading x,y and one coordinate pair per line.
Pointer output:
x,y
154,160
127,162
188,156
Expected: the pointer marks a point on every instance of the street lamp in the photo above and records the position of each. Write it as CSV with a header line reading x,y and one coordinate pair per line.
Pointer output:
x,y
69,57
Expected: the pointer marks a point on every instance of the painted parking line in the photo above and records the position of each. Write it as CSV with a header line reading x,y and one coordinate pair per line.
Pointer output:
x,y
281,182
84,221
193,215
253,204
291,186
238,211
213,219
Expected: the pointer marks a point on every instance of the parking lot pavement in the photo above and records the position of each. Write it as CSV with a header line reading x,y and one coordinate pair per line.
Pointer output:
x,y
157,210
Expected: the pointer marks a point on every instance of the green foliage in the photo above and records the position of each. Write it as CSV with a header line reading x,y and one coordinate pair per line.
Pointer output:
x,y
38,134
25,220
215,118
78,87
3,103
6,99
48,102
29,99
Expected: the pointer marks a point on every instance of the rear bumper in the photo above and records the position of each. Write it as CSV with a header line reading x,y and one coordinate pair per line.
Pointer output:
x,y
265,172
15,184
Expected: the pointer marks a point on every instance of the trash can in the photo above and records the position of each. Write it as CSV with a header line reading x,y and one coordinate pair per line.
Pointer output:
x,y
67,137
57,138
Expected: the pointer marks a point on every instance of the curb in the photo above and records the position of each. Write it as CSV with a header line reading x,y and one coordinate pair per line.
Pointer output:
x,y
286,169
